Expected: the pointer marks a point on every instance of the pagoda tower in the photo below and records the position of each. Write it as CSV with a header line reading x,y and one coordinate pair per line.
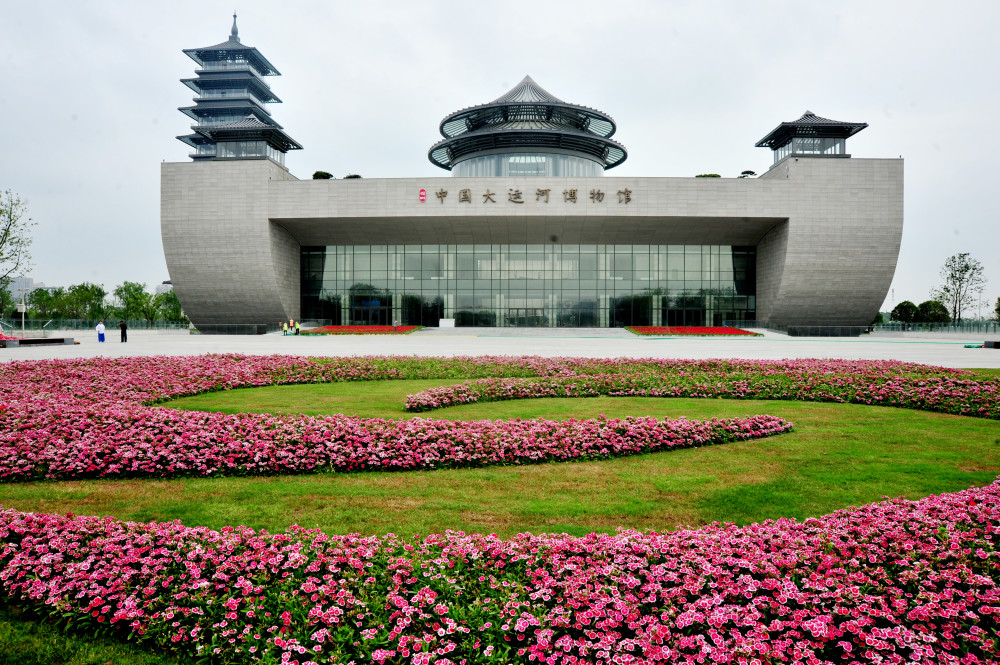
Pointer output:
x,y
527,131
231,121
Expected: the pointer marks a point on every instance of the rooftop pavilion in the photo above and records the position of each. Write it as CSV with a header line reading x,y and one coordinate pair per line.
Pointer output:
x,y
811,135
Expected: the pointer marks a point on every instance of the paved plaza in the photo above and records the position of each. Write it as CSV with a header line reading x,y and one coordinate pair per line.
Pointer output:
x,y
944,350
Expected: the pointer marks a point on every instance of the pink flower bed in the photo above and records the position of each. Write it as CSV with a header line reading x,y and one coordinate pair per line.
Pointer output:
x,y
893,582
857,382
81,419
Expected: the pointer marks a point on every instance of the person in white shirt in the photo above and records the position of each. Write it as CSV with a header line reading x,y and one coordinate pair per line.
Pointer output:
x,y
100,331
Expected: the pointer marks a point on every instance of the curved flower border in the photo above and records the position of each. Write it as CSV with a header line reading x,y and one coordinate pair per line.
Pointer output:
x,y
894,582
86,419
870,385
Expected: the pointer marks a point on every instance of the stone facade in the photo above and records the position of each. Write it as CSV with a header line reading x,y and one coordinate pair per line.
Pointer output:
x,y
827,230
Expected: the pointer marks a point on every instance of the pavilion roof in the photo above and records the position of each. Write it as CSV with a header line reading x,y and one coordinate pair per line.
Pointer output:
x,y
809,124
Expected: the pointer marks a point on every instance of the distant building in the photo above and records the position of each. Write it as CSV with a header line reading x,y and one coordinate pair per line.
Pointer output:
x,y
163,287
528,230
20,287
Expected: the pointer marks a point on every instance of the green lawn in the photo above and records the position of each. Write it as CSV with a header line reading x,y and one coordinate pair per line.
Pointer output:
x,y
839,455
26,641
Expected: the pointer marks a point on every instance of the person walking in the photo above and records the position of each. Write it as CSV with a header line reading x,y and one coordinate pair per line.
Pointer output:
x,y
297,327
284,328
121,324
100,331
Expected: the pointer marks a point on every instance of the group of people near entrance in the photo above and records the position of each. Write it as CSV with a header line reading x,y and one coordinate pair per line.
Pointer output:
x,y
290,325
100,331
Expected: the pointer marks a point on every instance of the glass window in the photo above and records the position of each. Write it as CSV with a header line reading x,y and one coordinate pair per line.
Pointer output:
x,y
411,266
527,164
362,262
607,285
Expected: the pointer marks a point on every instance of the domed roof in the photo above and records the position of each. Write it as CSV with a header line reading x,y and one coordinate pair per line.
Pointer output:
x,y
527,116
527,91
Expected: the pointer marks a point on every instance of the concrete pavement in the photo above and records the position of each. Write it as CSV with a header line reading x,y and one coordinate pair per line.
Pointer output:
x,y
944,350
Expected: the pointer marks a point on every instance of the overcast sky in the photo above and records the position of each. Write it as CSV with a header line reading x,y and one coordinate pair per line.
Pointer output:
x,y
91,90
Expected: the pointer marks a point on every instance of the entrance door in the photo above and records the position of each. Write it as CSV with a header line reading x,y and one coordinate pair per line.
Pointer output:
x,y
371,312
522,317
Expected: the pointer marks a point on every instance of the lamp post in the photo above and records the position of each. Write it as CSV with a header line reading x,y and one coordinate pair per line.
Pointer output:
x,y
21,307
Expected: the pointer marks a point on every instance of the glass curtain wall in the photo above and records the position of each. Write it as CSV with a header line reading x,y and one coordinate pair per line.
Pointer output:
x,y
527,164
811,145
245,149
529,285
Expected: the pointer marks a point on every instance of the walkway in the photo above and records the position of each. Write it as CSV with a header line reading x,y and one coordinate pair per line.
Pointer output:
x,y
948,351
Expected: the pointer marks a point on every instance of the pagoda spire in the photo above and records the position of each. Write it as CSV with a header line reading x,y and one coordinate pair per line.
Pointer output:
x,y
235,33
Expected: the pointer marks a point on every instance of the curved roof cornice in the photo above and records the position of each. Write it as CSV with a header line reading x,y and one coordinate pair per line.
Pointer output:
x,y
528,100
450,151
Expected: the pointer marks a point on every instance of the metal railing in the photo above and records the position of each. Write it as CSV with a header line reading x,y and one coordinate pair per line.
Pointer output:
x,y
47,327
54,327
979,326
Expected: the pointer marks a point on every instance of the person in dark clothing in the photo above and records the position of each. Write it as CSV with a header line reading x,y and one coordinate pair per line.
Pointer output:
x,y
121,324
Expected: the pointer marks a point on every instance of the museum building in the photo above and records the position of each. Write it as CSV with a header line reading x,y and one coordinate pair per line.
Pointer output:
x,y
527,230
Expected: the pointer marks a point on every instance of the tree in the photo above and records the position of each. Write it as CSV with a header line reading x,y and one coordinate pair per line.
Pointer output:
x,y
43,302
996,310
963,281
878,319
15,236
170,307
6,300
84,301
352,176
135,302
748,174
708,175
932,311
322,175
904,312
149,308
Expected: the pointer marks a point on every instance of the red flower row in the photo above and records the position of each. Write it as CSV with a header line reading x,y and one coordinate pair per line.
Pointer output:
x,y
360,330
689,330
